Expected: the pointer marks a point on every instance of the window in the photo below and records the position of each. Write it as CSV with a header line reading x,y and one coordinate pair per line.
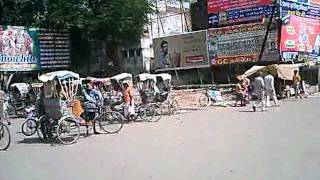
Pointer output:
x,y
125,54
138,52
131,53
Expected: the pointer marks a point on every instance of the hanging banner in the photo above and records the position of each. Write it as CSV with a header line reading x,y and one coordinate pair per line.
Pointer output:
x,y
241,43
184,50
300,34
55,49
19,49
222,12
304,10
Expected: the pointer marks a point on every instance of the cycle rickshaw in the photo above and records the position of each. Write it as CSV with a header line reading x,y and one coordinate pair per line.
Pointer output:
x,y
166,96
5,137
61,121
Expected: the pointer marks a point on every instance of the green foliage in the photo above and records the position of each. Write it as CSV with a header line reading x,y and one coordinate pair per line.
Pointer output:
x,y
112,20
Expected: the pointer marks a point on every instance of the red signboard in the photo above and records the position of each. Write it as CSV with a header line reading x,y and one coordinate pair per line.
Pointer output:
x,y
315,2
216,6
300,34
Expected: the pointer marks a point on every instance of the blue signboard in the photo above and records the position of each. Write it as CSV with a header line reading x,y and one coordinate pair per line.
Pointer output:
x,y
297,9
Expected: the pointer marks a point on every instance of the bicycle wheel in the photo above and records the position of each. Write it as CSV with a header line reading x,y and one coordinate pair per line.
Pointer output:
x,y
5,137
173,106
204,100
149,113
158,112
68,130
111,122
29,127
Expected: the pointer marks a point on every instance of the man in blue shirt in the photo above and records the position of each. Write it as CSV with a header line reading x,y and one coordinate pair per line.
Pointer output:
x,y
93,99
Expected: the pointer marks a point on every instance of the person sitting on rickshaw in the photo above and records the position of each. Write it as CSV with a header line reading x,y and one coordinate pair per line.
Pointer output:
x,y
92,100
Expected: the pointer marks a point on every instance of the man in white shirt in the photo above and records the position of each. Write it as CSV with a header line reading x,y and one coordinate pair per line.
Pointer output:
x,y
259,91
270,90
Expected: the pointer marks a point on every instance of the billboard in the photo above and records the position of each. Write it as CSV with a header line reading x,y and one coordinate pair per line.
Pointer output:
x,y
184,50
222,12
308,2
299,34
304,10
241,43
19,49
54,48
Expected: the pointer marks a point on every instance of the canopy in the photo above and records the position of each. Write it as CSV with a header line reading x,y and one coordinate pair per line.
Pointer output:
x,y
283,71
122,76
253,70
146,76
61,75
22,87
98,80
164,76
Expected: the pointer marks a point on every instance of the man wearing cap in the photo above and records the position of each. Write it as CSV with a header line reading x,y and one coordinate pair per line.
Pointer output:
x,y
128,100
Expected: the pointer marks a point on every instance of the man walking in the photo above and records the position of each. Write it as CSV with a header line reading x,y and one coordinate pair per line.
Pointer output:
x,y
296,83
270,90
259,91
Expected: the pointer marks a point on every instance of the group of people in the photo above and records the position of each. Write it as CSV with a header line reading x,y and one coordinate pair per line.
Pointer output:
x,y
92,101
262,90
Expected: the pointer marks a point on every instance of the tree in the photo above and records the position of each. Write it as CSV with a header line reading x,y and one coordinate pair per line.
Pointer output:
x,y
109,22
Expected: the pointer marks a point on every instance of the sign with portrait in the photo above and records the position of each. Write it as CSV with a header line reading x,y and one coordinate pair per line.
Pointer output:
x,y
300,34
19,49
184,50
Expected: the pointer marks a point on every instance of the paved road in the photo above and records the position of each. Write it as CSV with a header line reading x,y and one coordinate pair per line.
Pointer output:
x,y
219,143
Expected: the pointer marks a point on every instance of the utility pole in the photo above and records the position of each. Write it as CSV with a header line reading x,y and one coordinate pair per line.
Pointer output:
x,y
268,30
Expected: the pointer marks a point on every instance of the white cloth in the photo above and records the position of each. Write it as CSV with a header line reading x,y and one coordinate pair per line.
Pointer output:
x,y
269,82
271,93
129,110
258,85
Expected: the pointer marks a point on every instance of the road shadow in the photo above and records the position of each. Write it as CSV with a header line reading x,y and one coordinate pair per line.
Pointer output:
x,y
37,140
246,111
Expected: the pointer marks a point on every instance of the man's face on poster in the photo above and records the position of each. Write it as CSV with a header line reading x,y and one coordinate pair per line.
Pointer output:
x,y
164,47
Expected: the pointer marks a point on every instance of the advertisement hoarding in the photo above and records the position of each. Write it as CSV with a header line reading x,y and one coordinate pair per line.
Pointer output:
x,y
29,49
308,2
19,49
54,49
241,43
300,34
303,10
221,12
185,50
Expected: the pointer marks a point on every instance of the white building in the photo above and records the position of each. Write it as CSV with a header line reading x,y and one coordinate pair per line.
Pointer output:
x,y
173,18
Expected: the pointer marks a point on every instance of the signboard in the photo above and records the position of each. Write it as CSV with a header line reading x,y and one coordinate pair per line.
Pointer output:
x,y
303,10
241,43
54,49
222,12
185,50
300,35
19,49
307,2
29,49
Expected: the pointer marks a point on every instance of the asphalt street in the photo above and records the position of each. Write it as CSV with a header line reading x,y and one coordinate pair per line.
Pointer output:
x,y
217,143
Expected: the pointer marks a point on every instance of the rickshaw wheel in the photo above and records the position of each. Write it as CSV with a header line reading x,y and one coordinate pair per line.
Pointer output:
x,y
158,112
29,127
111,122
173,106
68,130
204,100
149,113
5,137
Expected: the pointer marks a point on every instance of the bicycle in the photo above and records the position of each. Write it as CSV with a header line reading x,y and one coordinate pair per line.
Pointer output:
x,y
209,97
5,137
